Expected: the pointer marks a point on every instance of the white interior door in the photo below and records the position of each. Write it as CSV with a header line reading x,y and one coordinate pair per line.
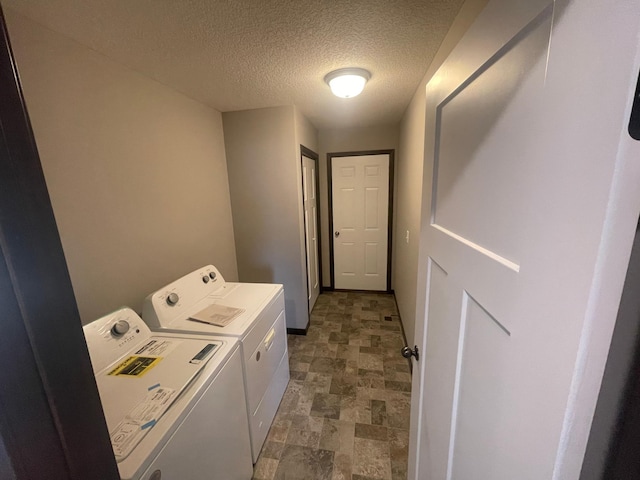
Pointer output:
x,y
360,206
310,199
530,203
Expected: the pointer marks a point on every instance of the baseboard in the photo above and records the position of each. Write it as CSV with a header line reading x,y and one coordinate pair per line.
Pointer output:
x,y
299,331
346,290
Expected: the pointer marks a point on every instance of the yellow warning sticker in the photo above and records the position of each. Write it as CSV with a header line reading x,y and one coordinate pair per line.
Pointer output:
x,y
135,366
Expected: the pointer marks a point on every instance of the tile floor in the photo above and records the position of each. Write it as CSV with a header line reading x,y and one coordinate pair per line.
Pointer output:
x,y
345,413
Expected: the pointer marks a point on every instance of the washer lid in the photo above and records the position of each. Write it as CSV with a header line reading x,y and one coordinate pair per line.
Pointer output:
x,y
157,371
152,443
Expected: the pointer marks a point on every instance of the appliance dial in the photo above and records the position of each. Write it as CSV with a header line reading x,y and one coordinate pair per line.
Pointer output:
x,y
172,299
212,275
205,279
120,328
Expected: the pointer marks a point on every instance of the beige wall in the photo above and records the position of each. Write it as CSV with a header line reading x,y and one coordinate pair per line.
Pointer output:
x,y
136,171
263,156
409,186
383,137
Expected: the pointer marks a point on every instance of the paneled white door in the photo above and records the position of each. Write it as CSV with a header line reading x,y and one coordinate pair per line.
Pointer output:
x,y
530,204
360,206
310,200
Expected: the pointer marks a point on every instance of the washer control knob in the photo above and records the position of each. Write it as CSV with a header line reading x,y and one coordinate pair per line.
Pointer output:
x,y
120,328
205,279
212,275
172,299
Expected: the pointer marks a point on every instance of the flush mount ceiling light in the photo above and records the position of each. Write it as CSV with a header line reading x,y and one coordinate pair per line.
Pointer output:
x,y
347,82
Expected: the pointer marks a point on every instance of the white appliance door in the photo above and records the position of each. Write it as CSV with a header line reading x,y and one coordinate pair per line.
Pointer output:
x,y
523,245
266,376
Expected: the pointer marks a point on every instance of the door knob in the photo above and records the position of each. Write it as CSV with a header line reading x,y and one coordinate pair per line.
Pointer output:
x,y
408,353
337,234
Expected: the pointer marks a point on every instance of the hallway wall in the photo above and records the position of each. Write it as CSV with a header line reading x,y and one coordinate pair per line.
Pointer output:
x,y
409,177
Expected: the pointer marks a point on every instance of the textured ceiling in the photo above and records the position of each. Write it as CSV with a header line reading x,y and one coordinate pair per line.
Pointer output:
x,y
236,55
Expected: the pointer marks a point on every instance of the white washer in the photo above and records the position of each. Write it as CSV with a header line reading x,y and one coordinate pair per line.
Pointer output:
x,y
261,329
172,402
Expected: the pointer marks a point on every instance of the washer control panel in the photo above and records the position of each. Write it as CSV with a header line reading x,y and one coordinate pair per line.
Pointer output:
x,y
111,336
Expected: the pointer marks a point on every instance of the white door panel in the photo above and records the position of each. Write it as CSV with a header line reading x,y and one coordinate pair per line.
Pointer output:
x,y
478,217
442,339
480,186
520,154
481,397
360,206
310,199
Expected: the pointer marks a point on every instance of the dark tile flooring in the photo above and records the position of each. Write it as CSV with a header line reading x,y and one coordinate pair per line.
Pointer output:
x,y
345,413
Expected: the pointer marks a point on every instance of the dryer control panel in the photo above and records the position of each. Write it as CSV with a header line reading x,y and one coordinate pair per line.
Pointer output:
x,y
178,299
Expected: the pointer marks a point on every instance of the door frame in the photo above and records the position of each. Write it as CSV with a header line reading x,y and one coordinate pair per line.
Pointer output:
x,y
612,445
307,152
330,157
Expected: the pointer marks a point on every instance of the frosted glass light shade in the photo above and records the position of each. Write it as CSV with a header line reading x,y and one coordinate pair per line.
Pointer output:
x,y
347,82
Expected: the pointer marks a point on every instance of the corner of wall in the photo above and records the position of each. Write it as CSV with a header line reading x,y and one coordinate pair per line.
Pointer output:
x,y
263,158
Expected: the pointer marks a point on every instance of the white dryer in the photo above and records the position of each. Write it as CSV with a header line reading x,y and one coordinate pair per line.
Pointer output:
x,y
172,402
259,324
